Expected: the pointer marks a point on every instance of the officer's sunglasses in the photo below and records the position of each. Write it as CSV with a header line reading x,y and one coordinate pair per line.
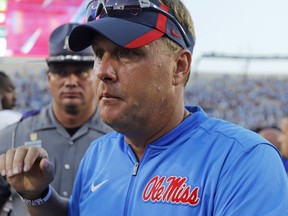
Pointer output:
x,y
97,8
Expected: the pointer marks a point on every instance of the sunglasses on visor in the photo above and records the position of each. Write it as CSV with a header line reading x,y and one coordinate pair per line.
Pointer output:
x,y
97,8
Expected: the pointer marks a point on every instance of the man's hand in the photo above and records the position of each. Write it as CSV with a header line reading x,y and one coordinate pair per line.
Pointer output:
x,y
28,170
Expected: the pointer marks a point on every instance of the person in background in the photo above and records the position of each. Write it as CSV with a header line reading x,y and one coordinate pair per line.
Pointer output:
x,y
66,127
271,134
8,116
283,139
164,157
7,92
274,136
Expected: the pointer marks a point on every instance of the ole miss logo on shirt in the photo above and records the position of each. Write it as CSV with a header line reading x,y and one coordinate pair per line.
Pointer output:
x,y
171,190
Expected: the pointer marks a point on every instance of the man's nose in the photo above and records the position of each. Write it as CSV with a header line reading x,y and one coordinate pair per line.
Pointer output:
x,y
106,69
71,79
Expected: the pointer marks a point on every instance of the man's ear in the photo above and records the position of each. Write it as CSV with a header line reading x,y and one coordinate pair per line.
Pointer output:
x,y
183,64
48,78
48,75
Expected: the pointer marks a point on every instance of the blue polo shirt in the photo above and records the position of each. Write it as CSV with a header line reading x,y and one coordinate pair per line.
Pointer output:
x,y
204,166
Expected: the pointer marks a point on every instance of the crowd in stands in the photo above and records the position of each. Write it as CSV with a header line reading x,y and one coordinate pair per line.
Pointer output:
x,y
249,101
32,90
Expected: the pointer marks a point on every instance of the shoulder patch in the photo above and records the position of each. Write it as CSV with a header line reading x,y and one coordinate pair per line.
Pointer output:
x,y
30,113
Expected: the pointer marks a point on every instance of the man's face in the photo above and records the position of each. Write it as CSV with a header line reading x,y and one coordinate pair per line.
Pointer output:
x,y
9,96
136,85
283,138
72,86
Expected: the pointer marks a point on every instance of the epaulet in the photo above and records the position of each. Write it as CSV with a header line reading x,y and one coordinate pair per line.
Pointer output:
x,y
30,113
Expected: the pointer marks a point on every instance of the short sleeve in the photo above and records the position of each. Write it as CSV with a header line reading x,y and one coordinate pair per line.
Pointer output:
x,y
255,184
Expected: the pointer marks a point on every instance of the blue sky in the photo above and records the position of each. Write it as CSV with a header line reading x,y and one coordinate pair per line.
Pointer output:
x,y
245,27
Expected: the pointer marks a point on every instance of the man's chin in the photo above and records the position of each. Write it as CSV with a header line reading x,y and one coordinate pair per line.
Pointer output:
x,y
72,109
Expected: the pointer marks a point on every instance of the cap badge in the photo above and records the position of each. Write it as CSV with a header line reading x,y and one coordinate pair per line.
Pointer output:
x,y
66,43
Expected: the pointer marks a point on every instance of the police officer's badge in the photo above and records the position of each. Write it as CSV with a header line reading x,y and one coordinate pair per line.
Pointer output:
x,y
33,136
33,140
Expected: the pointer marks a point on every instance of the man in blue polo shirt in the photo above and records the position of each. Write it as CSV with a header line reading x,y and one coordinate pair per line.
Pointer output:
x,y
164,158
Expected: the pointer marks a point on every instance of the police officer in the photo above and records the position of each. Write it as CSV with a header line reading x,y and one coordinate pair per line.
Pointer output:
x,y
66,127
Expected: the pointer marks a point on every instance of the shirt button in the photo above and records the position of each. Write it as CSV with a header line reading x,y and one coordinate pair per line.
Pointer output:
x,y
71,142
65,193
67,166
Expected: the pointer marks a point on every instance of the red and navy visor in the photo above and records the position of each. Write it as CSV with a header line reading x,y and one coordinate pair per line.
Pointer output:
x,y
129,24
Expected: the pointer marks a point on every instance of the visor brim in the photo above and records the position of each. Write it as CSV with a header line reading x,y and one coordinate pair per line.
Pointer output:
x,y
122,32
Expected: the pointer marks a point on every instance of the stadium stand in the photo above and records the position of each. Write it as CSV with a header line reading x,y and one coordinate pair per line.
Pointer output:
x,y
251,101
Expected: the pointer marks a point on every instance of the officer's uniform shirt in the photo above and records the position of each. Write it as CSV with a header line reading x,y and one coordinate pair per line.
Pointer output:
x,y
65,152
